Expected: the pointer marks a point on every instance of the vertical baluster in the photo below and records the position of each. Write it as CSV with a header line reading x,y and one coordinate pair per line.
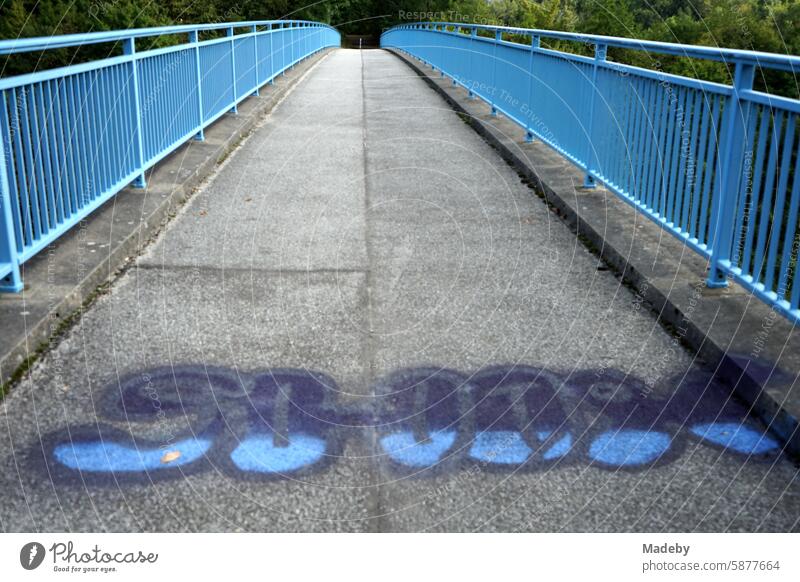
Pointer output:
x,y
658,194
634,147
31,185
535,43
190,82
153,133
56,156
758,164
194,39
96,176
129,48
711,155
602,112
12,282
683,129
229,34
61,133
699,172
766,204
18,159
271,56
100,92
789,249
643,101
690,165
729,176
292,44
122,106
442,40
673,153
624,125
115,118
498,36
456,55
744,206
79,107
473,33
618,128
254,30
70,135
50,218
780,200
599,56
58,153
38,165
669,121
96,92
284,60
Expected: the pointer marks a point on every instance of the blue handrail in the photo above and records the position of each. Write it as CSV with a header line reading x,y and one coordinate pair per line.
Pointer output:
x,y
715,165
21,45
72,137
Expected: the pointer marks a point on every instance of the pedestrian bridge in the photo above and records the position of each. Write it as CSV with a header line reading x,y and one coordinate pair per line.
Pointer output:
x,y
365,318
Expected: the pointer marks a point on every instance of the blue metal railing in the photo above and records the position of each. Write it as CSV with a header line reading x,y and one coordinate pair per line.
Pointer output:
x,y
73,137
715,165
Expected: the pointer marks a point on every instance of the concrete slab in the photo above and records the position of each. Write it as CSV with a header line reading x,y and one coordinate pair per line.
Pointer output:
x,y
243,321
754,349
393,334
71,271
294,199
458,294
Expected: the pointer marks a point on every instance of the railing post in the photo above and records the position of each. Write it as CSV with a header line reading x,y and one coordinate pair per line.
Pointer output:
x,y
292,42
473,32
271,56
498,36
11,283
428,27
599,56
194,39
255,93
283,46
724,203
129,48
229,34
535,43
457,30
441,28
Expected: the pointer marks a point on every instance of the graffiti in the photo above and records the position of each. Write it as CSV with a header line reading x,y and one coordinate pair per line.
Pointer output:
x,y
278,423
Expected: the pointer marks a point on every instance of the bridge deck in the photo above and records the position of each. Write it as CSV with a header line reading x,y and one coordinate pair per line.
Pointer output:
x,y
365,232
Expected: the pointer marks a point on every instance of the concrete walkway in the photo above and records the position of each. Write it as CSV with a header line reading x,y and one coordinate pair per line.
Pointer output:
x,y
367,276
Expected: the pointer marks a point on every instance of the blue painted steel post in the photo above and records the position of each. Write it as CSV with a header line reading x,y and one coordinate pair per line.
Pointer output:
x,y
255,59
12,282
535,43
498,36
730,169
457,30
441,28
283,48
599,56
194,39
473,32
271,57
229,34
129,48
429,28
292,43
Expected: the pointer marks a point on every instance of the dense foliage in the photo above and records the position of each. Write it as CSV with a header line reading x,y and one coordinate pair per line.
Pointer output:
x,y
767,25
